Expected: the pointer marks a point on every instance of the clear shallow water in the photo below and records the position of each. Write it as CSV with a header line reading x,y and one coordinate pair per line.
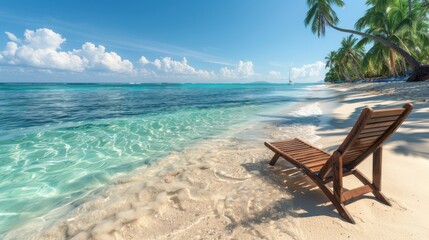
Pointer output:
x,y
60,142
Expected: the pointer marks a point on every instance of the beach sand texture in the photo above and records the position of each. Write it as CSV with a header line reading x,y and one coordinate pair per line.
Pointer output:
x,y
223,188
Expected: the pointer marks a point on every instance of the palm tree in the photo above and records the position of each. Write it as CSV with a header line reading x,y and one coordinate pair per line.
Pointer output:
x,y
377,59
352,54
342,64
333,64
321,14
393,23
420,33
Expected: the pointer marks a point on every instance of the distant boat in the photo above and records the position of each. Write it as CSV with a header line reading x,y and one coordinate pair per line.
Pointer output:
x,y
290,81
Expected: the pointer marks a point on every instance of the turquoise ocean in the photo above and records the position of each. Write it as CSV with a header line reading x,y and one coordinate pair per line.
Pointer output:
x,y
59,142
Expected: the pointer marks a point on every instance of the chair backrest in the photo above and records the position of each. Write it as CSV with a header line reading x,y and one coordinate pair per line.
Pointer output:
x,y
370,131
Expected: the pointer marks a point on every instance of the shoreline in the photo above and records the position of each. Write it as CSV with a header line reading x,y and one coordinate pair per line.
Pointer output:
x,y
183,186
224,188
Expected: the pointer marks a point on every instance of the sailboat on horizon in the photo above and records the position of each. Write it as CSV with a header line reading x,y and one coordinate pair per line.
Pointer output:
x,y
290,80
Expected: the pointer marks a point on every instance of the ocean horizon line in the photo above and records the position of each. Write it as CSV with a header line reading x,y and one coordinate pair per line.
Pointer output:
x,y
150,83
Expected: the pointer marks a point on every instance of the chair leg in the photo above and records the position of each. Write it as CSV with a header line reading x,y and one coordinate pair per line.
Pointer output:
x,y
377,193
380,197
342,210
274,159
337,199
376,175
337,168
376,168
337,204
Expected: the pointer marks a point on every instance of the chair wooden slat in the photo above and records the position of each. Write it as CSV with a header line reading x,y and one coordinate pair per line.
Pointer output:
x,y
371,134
367,139
381,124
318,159
368,130
308,158
382,119
303,148
388,112
307,154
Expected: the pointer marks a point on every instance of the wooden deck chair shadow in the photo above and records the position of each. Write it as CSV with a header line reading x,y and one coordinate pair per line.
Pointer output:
x,y
367,136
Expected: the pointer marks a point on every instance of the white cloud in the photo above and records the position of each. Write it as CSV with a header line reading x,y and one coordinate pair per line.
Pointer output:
x,y
43,38
314,71
143,60
242,70
12,37
157,63
169,67
10,49
99,59
41,49
274,74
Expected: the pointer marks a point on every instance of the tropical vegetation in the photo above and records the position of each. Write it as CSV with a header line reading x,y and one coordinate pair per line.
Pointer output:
x,y
391,39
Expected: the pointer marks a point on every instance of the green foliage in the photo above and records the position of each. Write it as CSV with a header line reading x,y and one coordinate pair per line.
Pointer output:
x,y
404,23
319,12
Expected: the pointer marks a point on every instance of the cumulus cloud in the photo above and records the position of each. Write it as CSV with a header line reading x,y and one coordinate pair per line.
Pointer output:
x,y
43,38
143,60
157,63
242,70
42,49
99,59
169,67
274,74
309,71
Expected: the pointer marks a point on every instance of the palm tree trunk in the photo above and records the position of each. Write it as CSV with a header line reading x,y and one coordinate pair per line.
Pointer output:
x,y
336,71
392,62
341,71
410,59
338,75
358,67
346,75
356,72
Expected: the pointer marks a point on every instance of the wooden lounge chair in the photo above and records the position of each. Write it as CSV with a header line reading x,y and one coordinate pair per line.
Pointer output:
x,y
367,136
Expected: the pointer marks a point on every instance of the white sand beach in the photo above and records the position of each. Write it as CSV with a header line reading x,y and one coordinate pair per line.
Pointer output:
x,y
223,188
405,167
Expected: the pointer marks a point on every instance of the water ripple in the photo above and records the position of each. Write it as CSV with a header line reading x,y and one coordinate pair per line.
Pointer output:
x,y
59,143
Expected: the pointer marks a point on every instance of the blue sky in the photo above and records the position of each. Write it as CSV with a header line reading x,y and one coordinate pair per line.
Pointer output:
x,y
163,41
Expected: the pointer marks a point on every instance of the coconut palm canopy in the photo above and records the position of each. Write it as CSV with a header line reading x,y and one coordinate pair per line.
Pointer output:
x,y
393,32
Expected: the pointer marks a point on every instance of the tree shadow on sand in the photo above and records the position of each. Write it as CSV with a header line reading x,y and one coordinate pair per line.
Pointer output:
x,y
417,120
